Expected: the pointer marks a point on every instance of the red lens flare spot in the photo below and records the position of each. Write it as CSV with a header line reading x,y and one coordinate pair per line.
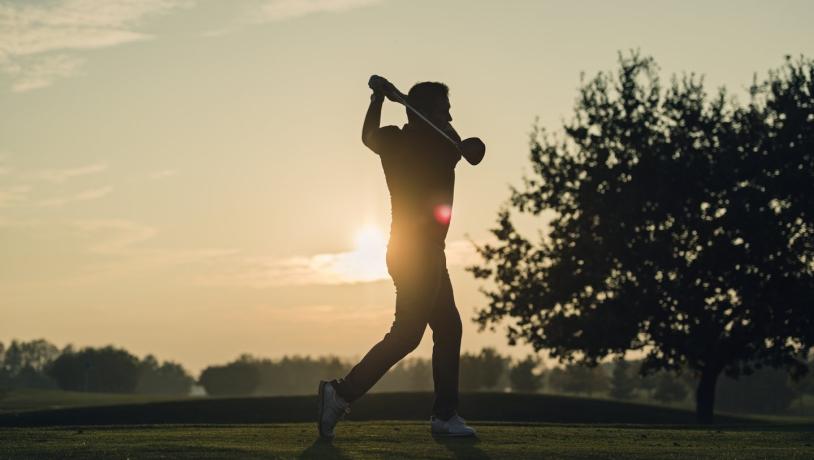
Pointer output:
x,y
443,213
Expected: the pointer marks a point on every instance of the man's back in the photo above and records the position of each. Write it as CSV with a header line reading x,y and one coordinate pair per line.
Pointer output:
x,y
419,167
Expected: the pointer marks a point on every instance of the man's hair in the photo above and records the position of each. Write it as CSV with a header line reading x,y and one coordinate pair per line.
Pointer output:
x,y
423,96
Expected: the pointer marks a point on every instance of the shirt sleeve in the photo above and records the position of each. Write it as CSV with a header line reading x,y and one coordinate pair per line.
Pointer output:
x,y
385,140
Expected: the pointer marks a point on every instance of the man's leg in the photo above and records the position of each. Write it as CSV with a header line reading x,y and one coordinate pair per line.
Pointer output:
x,y
445,322
416,291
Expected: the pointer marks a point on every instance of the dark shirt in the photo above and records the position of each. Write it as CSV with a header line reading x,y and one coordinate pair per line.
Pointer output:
x,y
419,167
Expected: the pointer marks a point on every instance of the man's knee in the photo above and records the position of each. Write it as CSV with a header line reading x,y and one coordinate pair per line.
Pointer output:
x,y
449,331
457,328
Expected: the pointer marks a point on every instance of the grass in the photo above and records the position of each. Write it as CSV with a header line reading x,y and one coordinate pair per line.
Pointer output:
x,y
405,440
375,406
530,426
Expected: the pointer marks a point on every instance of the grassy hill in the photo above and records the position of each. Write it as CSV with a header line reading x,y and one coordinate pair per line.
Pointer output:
x,y
382,425
404,440
25,410
30,399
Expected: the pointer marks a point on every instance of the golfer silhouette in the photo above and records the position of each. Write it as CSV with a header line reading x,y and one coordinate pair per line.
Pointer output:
x,y
419,162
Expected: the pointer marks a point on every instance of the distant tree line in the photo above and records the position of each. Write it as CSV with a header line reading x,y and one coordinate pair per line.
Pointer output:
x,y
766,391
40,364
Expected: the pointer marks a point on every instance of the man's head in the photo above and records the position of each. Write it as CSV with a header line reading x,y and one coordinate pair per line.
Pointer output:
x,y
432,100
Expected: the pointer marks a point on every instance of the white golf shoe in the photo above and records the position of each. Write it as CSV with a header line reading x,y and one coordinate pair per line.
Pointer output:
x,y
455,426
332,408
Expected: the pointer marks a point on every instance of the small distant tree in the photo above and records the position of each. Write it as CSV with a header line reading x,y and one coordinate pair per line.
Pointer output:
x,y
168,378
34,354
579,379
678,224
492,366
765,391
106,370
22,364
622,382
669,389
807,384
238,378
420,375
523,375
482,371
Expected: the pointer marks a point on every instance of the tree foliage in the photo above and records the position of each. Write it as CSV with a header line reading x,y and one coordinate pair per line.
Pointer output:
x,y
622,382
579,379
167,378
482,371
104,370
683,226
767,391
523,375
240,377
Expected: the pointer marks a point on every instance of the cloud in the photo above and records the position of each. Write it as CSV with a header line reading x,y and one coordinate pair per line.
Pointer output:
x,y
279,10
14,195
102,252
30,34
119,247
22,194
84,195
321,269
267,11
164,173
118,235
7,222
364,264
30,74
61,175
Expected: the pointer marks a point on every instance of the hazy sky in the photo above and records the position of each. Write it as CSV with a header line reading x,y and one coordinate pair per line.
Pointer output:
x,y
187,178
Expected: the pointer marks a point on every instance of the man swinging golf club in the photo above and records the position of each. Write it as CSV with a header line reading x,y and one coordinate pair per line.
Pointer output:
x,y
419,167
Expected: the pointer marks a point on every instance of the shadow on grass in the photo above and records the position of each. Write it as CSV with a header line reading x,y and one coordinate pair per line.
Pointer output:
x,y
465,448
322,449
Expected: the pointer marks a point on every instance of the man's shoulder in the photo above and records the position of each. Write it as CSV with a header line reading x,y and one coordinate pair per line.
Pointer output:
x,y
390,139
391,129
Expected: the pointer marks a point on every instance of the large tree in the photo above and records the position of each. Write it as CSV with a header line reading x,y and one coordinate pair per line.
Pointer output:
x,y
675,223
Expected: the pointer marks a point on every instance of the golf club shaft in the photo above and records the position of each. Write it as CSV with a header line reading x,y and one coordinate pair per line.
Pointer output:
x,y
401,99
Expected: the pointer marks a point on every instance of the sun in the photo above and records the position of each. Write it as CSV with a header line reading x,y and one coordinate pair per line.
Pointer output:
x,y
366,262
369,240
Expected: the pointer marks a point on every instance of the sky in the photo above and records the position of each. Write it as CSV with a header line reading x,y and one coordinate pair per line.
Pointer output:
x,y
186,177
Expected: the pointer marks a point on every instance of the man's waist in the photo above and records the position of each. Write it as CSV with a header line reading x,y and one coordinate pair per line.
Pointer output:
x,y
420,237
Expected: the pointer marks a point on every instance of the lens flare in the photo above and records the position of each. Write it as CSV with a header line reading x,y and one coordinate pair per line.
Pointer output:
x,y
443,214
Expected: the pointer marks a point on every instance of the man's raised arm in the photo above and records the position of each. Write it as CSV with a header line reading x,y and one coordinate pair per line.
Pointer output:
x,y
371,130
372,120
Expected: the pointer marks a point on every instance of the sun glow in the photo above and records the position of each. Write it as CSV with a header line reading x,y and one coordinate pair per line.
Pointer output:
x,y
367,260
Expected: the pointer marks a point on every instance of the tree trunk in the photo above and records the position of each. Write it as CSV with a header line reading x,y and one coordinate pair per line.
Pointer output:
x,y
705,396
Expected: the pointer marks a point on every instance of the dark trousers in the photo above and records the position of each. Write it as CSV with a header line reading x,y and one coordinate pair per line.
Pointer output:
x,y
423,296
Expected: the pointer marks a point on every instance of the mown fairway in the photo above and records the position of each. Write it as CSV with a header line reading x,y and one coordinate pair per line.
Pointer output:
x,y
37,425
389,439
